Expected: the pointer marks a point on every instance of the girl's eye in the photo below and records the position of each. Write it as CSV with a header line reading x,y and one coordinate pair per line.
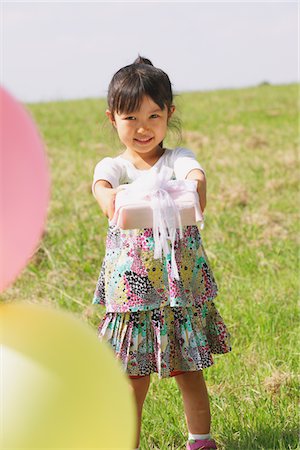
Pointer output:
x,y
129,118
154,116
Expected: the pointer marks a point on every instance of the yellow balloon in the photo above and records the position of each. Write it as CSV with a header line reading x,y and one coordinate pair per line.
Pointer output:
x,y
61,388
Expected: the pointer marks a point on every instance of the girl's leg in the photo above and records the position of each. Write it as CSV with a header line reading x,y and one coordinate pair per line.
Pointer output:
x,y
196,402
140,388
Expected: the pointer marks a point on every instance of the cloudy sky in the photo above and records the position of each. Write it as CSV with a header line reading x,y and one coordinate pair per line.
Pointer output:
x,y
67,50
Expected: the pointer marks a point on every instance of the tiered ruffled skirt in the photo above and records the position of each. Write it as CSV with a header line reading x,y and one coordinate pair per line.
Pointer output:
x,y
161,339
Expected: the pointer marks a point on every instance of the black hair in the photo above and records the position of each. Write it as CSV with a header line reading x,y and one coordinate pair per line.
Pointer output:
x,y
131,83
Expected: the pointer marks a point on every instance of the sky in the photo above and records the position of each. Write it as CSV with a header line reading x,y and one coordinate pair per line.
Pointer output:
x,y
70,50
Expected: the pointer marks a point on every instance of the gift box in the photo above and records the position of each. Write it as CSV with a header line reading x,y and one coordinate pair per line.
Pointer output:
x,y
132,211
156,201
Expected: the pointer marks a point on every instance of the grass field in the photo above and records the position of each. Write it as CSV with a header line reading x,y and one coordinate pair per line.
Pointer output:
x,y
247,140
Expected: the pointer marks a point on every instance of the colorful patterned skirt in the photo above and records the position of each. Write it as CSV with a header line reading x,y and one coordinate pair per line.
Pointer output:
x,y
165,339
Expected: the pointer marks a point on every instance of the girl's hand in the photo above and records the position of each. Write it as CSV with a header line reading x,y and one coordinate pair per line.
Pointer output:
x,y
197,174
106,196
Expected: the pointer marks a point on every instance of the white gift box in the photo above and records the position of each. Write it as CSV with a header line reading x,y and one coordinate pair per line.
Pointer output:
x,y
131,212
155,201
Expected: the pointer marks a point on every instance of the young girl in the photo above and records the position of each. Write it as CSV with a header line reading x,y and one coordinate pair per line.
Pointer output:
x,y
156,323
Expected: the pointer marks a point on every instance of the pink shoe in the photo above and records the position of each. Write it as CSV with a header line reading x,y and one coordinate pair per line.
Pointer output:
x,y
201,444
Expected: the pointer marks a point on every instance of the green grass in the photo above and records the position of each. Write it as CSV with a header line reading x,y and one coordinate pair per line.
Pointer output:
x,y
247,141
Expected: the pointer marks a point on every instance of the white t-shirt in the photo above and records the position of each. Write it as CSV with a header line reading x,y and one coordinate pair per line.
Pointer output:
x,y
119,170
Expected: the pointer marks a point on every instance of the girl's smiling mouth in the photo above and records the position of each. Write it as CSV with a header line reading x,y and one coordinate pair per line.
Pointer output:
x,y
143,140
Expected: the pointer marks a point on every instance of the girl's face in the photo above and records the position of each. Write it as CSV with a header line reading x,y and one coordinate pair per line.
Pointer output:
x,y
143,130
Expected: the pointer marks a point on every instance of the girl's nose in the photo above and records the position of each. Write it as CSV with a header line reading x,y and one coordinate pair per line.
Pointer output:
x,y
142,129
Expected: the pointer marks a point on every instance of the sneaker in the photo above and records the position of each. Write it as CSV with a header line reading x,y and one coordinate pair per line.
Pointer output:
x,y
201,444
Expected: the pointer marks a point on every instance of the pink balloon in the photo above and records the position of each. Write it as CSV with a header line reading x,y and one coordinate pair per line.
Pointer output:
x,y
25,188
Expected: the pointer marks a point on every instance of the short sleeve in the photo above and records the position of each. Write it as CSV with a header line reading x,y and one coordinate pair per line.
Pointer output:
x,y
184,162
109,170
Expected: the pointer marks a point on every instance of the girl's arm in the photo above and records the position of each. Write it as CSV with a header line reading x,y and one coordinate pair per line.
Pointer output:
x,y
197,174
105,196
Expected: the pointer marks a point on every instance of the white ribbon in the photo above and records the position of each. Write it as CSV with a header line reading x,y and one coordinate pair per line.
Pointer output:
x,y
166,218
155,187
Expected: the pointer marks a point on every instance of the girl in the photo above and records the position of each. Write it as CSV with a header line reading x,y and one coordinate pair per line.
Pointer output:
x,y
153,322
